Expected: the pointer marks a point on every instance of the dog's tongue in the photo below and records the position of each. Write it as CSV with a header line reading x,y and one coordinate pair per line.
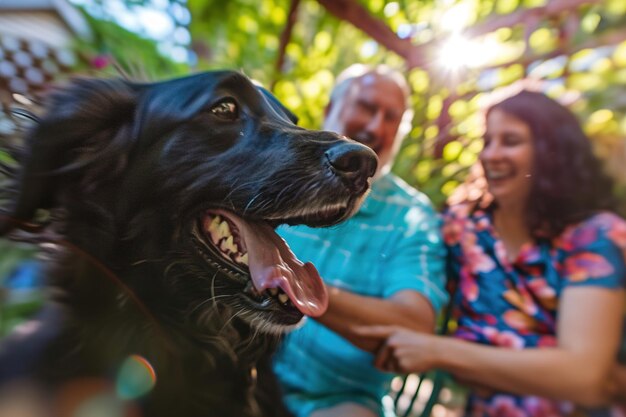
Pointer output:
x,y
272,264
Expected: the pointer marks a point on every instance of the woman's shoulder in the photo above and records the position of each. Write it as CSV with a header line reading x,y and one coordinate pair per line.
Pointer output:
x,y
594,251
601,226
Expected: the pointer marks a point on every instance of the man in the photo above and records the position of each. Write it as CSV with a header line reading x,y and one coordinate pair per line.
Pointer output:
x,y
385,265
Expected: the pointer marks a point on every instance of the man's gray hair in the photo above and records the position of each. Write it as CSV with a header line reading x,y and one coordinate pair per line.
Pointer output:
x,y
356,71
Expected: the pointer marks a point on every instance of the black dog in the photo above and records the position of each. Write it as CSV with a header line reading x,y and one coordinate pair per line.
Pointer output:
x,y
163,198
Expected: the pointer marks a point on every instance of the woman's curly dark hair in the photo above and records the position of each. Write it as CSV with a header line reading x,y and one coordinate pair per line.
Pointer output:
x,y
569,184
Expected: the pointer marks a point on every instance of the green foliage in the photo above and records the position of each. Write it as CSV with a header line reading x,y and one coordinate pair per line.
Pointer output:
x,y
576,55
320,46
445,139
562,51
120,50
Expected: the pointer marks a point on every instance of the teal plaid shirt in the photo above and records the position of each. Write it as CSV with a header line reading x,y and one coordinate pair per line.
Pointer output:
x,y
393,243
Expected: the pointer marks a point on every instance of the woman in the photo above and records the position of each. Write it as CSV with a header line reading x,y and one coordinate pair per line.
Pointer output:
x,y
540,266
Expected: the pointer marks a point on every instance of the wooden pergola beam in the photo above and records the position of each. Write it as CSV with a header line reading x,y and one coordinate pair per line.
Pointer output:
x,y
285,36
360,17
417,55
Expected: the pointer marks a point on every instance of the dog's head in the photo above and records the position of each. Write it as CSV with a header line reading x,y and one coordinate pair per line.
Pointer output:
x,y
177,186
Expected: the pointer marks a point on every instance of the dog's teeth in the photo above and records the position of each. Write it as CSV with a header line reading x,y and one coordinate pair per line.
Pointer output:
x,y
242,259
230,244
212,228
223,230
283,298
210,224
273,291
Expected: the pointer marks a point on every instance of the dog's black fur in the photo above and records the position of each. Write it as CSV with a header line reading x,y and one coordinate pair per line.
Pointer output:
x,y
127,173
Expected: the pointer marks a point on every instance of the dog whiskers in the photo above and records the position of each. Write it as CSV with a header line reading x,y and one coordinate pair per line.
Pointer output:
x,y
203,303
144,261
213,296
245,210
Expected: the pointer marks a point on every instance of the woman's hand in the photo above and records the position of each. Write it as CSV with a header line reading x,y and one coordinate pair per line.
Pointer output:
x,y
403,350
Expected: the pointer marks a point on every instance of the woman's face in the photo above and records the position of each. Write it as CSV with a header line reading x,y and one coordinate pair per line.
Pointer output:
x,y
507,158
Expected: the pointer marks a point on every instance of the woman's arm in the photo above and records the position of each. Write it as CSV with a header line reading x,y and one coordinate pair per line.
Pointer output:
x,y
577,369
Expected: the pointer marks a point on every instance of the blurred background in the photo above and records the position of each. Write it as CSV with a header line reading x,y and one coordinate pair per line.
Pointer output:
x,y
457,54
454,52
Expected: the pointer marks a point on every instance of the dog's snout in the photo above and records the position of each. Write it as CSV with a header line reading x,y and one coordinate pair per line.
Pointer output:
x,y
353,162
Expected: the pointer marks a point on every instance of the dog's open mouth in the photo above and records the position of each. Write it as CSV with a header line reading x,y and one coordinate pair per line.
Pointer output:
x,y
275,272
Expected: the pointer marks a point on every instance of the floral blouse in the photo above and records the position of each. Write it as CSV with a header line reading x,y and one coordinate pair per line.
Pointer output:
x,y
514,304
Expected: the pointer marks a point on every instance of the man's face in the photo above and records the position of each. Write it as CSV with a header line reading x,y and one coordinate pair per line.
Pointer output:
x,y
371,114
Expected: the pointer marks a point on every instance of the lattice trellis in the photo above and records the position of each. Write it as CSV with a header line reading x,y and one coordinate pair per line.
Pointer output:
x,y
27,66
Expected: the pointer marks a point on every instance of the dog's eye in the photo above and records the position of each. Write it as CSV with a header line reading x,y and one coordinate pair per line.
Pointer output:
x,y
226,109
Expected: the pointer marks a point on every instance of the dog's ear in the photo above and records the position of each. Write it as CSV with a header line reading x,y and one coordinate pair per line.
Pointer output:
x,y
277,105
85,124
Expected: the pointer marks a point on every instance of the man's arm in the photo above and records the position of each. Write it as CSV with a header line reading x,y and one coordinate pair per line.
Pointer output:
x,y
347,310
412,285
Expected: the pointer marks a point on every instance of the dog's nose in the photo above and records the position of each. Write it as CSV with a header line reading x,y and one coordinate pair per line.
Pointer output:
x,y
353,162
